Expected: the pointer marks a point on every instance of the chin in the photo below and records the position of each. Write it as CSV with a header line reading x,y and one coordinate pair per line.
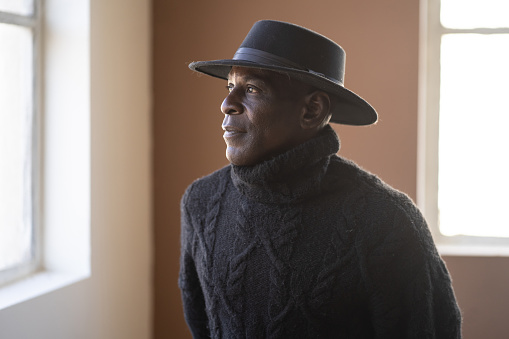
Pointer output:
x,y
243,156
233,158
238,159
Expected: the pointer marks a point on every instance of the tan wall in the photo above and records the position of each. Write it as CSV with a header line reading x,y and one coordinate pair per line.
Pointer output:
x,y
381,41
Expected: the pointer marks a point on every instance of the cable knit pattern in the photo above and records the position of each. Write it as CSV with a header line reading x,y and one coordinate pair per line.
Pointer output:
x,y
308,245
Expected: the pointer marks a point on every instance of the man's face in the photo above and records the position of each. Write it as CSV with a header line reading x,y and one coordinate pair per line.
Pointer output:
x,y
262,115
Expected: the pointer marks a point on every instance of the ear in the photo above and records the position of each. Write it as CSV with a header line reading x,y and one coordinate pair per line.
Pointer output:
x,y
317,109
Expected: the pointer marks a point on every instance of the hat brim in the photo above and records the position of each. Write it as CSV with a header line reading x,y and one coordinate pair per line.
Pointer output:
x,y
349,108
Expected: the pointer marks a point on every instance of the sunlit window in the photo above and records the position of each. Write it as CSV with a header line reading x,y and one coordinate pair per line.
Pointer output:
x,y
474,117
468,14
468,104
18,151
474,140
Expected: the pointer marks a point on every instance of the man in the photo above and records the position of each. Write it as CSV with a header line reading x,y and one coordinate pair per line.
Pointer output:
x,y
290,240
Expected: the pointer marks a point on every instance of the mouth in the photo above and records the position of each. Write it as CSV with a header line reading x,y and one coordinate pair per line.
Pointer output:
x,y
232,131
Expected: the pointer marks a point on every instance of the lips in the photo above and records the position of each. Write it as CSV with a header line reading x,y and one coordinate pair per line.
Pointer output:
x,y
231,131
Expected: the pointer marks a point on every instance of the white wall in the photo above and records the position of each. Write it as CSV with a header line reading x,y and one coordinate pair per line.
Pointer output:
x,y
115,301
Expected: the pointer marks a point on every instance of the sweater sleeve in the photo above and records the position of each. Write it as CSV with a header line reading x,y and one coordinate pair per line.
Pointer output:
x,y
409,288
189,283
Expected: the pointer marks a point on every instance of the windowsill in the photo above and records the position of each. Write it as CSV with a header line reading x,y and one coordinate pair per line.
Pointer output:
x,y
470,246
473,250
35,285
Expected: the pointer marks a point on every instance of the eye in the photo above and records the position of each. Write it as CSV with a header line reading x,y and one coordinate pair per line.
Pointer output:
x,y
229,87
251,89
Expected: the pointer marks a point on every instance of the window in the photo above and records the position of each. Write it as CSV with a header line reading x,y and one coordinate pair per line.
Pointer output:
x,y
19,166
62,208
463,126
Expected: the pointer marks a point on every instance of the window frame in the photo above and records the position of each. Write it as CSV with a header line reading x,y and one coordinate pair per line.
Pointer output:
x,y
34,23
431,31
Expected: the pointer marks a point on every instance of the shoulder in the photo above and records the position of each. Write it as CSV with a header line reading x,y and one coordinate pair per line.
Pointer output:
x,y
202,189
378,210
367,191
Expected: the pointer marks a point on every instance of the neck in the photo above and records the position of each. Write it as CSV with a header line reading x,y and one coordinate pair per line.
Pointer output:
x,y
289,177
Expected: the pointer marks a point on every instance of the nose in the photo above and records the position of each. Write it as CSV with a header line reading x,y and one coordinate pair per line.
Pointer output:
x,y
231,104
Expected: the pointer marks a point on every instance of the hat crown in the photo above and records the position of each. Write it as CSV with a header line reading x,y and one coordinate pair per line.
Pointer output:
x,y
305,56
300,46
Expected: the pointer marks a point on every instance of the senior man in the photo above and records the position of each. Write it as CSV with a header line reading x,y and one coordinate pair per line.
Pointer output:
x,y
291,240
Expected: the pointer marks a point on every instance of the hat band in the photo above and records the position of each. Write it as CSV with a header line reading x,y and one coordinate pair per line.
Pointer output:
x,y
262,57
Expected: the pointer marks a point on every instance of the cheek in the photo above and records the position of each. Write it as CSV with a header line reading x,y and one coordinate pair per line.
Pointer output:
x,y
265,118
271,130
279,124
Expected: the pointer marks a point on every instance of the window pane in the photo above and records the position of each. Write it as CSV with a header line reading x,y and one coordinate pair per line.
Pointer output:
x,y
474,141
474,13
22,7
15,145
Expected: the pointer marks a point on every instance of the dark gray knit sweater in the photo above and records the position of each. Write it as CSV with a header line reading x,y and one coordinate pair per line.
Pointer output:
x,y
308,245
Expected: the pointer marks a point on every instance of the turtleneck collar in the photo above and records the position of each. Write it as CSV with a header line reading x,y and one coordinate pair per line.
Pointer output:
x,y
289,177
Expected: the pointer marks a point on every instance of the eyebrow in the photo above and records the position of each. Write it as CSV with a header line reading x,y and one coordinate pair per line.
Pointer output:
x,y
248,78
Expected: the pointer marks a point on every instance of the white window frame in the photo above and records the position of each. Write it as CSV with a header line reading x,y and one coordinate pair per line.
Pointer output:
x,y
34,22
431,31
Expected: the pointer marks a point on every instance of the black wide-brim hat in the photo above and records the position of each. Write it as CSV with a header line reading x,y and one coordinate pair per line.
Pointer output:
x,y
304,55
